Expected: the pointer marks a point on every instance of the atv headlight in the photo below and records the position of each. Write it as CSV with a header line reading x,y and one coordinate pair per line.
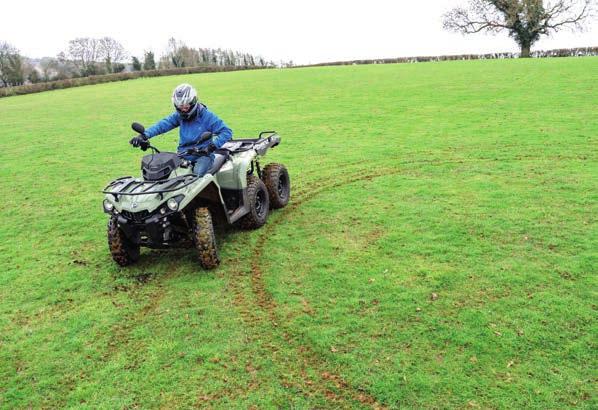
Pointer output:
x,y
172,204
108,206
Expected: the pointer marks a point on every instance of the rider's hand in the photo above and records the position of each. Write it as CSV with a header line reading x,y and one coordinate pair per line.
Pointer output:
x,y
210,148
140,141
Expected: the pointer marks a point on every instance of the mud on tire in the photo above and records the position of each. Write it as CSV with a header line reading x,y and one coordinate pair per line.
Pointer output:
x,y
123,251
278,183
259,204
202,230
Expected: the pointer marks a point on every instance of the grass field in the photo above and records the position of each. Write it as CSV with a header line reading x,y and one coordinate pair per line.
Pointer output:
x,y
440,249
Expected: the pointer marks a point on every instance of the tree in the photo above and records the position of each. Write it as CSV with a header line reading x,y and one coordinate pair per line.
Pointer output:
x,y
525,20
49,68
34,77
64,67
173,53
118,67
189,56
111,51
88,52
85,52
179,55
204,56
11,66
136,64
148,61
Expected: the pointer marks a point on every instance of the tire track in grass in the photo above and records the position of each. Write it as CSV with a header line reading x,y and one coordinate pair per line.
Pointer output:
x,y
256,309
265,301
263,331
150,288
258,312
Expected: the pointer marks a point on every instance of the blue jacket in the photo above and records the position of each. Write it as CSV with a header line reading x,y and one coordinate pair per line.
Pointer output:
x,y
191,130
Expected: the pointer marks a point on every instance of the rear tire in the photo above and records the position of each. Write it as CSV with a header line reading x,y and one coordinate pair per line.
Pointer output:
x,y
204,238
124,252
277,181
259,204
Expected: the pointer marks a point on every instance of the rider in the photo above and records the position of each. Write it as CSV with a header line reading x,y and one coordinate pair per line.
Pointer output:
x,y
194,120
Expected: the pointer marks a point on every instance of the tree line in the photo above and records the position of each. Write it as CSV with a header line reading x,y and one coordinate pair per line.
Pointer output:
x,y
526,21
560,52
87,56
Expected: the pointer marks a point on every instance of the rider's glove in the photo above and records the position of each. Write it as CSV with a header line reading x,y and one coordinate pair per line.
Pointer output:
x,y
140,141
210,148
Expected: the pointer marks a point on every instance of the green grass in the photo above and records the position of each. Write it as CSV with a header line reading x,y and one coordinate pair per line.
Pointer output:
x,y
440,249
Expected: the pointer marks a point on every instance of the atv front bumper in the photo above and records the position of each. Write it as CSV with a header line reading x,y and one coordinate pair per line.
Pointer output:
x,y
156,231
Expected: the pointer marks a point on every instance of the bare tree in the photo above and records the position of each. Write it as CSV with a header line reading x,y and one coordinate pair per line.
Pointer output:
x,y
85,52
110,51
525,20
189,56
180,55
173,52
65,68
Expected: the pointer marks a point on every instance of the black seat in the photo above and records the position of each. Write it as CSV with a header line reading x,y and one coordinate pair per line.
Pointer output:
x,y
220,157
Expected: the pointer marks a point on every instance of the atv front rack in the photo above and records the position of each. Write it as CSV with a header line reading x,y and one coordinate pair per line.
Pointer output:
x,y
135,186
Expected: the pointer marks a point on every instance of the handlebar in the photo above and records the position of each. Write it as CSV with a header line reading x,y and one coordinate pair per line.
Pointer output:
x,y
202,138
154,149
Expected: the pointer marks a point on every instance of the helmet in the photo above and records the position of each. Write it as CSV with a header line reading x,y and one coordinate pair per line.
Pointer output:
x,y
184,98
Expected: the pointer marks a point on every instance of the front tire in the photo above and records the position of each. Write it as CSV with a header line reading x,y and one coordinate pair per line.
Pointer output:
x,y
259,204
278,183
124,252
204,238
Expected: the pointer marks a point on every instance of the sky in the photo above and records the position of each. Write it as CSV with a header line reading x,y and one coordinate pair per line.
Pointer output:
x,y
305,32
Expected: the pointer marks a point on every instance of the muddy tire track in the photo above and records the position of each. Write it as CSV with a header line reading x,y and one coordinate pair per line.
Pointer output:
x,y
147,293
265,302
262,330
257,310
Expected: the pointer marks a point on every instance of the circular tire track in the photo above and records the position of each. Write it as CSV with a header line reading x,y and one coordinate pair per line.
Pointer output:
x,y
266,302
263,299
261,310
257,310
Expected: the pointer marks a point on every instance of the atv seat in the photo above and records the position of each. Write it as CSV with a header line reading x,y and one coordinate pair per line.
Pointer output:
x,y
220,157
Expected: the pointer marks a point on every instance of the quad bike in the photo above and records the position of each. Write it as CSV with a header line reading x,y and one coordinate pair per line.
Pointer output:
x,y
170,206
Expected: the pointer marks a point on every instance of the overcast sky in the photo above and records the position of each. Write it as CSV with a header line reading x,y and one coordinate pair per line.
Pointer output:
x,y
306,31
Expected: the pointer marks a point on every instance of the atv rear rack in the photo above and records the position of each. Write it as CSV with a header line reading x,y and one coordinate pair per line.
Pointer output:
x,y
260,144
134,186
